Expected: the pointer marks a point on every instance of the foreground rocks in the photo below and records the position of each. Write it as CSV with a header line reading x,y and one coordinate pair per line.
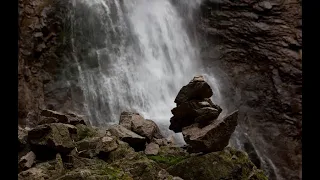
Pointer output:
x,y
196,116
64,152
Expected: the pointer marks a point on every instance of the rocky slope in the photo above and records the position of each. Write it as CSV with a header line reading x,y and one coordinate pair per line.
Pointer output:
x,y
65,148
256,46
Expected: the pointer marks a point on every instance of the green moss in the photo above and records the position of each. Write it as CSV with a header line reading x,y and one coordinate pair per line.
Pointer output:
x,y
226,164
166,161
85,132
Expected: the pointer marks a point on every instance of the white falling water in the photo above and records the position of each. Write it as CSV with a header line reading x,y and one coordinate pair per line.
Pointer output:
x,y
145,58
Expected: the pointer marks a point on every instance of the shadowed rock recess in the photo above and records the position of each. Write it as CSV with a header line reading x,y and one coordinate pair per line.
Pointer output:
x,y
60,150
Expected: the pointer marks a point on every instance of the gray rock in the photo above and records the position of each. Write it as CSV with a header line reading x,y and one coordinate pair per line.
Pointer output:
x,y
152,149
213,137
55,136
134,140
196,89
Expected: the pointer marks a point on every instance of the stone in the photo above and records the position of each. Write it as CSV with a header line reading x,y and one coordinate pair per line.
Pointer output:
x,y
226,164
127,117
196,89
134,140
51,139
206,116
146,128
152,149
49,116
213,137
136,123
27,161
188,112
62,118
106,144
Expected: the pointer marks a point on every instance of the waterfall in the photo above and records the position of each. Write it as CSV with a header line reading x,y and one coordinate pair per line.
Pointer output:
x,y
132,56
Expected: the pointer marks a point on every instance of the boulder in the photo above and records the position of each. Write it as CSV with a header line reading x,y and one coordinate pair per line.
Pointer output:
x,y
136,123
27,161
196,89
126,119
194,106
152,149
52,138
226,164
134,140
106,145
213,137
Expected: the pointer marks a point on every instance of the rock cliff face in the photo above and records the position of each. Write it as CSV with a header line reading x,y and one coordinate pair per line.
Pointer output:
x,y
40,51
257,44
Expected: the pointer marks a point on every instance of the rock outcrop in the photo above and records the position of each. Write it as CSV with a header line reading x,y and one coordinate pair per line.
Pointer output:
x,y
196,116
255,48
63,151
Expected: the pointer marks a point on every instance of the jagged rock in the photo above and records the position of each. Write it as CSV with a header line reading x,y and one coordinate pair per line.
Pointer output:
x,y
226,164
106,144
136,123
62,118
213,137
206,116
52,138
134,140
152,149
196,89
49,116
126,119
194,108
22,138
27,161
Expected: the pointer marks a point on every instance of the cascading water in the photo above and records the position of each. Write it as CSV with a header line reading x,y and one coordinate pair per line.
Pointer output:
x,y
132,56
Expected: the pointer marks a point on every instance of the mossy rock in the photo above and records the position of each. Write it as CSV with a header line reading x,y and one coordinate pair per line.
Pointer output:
x,y
169,155
95,171
84,131
226,164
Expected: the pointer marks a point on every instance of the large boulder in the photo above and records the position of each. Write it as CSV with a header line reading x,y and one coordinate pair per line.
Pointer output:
x,y
213,137
194,106
226,164
134,140
196,89
136,123
49,139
